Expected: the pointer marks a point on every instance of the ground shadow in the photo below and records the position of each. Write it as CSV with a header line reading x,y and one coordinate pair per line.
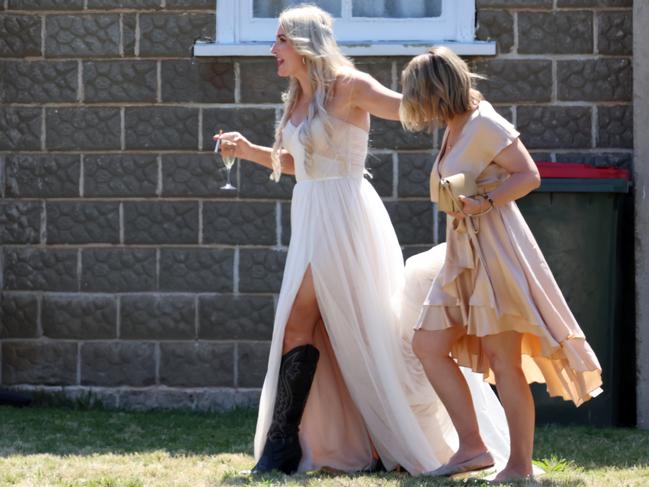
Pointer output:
x,y
401,480
591,447
70,431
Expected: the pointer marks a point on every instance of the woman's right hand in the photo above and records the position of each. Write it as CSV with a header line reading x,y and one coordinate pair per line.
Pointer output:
x,y
234,144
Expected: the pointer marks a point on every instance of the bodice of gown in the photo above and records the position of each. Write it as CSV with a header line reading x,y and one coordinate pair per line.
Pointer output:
x,y
342,155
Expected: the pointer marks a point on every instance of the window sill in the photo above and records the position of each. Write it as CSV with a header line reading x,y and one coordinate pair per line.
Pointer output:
x,y
473,48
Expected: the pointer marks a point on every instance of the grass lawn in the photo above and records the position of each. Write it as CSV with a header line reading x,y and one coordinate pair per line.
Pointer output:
x,y
98,448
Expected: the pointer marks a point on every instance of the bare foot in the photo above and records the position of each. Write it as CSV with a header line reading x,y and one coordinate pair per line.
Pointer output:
x,y
511,474
479,462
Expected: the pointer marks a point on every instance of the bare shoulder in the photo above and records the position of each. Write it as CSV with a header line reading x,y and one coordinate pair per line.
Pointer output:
x,y
351,80
364,93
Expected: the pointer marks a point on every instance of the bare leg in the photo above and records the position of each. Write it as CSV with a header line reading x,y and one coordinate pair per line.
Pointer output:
x,y
303,317
504,352
433,350
282,450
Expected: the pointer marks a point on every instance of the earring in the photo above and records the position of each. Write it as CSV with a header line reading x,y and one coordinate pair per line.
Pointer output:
x,y
303,60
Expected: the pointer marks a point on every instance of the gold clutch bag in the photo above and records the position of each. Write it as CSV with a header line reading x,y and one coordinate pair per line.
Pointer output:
x,y
451,188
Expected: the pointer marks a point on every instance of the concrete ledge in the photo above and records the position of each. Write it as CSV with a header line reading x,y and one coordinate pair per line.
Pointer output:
x,y
405,48
147,398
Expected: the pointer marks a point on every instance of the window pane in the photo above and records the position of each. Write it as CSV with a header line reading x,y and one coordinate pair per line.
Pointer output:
x,y
272,8
397,8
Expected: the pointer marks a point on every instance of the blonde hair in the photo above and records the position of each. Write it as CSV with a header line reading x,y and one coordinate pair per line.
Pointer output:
x,y
310,30
437,86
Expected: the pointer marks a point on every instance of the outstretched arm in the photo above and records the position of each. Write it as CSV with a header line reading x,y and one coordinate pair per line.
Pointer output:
x,y
370,95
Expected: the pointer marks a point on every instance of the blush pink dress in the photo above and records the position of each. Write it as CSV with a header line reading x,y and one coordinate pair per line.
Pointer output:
x,y
495,278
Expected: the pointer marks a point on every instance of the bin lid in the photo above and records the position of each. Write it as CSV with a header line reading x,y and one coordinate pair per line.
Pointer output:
x,y
557,177
581,171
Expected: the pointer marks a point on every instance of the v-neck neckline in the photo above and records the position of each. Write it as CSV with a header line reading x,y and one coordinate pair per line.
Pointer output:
x,y
443,151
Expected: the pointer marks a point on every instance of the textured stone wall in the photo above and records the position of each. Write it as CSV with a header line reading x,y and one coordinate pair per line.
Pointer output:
x,y
641,180
127,272
563,75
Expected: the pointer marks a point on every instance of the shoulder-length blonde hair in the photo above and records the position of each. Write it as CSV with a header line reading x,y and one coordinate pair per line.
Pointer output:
x,y
437,86
310,29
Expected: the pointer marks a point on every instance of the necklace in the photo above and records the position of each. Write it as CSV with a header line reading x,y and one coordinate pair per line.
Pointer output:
x,y
456,133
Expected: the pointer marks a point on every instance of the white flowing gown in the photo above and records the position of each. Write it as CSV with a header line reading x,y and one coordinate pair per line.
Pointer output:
x,y
369,390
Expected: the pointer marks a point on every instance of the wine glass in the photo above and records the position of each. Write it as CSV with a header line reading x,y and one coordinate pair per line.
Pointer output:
x,y
228,162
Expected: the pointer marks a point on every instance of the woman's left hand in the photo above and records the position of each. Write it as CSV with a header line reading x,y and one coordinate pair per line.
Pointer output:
x,y
470,206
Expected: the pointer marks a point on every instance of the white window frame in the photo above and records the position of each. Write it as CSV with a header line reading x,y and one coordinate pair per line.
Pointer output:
x,y
239,34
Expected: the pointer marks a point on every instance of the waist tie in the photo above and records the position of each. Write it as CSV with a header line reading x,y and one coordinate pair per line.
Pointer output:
x,y
467,246
460,225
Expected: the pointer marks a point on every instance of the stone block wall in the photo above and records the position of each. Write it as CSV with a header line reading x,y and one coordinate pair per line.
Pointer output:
x,y
564,75
126,272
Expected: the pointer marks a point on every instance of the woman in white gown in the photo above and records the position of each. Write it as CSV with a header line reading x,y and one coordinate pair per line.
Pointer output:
x,y
368,397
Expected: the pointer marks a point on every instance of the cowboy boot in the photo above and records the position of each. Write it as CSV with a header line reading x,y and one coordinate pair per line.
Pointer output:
x,y
282,450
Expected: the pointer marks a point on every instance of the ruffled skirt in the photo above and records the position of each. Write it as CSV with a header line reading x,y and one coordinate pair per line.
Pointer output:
x,y
495,279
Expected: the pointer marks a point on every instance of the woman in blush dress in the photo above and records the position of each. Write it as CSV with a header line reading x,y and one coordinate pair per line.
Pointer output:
x,y
342,388
494,306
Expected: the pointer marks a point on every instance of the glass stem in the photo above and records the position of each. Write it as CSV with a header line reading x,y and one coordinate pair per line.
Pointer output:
x,y
229,170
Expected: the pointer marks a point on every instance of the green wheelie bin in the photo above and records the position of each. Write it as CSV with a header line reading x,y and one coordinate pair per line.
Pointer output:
x,y
582,219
